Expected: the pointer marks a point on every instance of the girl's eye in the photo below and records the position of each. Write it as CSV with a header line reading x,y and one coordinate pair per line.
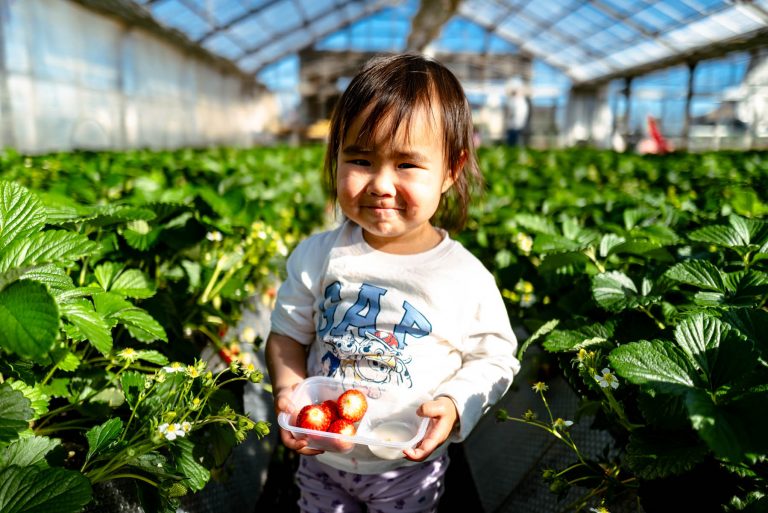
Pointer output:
x,y
359,162
407,165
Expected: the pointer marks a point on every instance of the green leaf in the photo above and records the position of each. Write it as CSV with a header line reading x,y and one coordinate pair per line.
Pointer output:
x,y
664,411
635,247
42,490
659,233
138,322
92,325
632,216
21,213
119,214
748,229
723,356
732,430
133,283
698,273
719,235
15,413
657,364
186,462
57,387
614,291
553,243
38,398
753,324
139,235
29,319
52,246
747,288
132,383
110,396
559,341
105,273
28,451
108,303
100,437
142,326
543,330
152,356
709,298
54,277
608,242
656,455
556,261
69,363
535,223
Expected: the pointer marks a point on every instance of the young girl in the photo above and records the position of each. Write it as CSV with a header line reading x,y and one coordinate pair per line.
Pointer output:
x,y
388,297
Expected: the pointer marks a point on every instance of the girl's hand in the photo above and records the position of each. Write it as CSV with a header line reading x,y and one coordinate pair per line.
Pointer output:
x,y
283,403
443,415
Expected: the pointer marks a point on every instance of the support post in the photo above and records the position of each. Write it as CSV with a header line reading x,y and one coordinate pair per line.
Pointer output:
x,y
685,138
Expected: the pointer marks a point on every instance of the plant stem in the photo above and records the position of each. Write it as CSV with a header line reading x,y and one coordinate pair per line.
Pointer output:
x,y
50,374
135,476
211,282
653,317
590,254
618,410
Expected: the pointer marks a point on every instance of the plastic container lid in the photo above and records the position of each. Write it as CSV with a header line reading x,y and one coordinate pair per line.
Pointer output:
x,y
389,426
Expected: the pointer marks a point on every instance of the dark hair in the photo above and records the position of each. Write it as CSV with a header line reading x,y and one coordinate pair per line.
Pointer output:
x,y
396,86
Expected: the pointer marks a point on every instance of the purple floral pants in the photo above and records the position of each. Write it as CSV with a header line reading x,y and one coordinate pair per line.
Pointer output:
x,y
411,489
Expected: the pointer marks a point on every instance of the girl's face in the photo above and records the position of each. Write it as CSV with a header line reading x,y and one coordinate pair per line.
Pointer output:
x,y
391,188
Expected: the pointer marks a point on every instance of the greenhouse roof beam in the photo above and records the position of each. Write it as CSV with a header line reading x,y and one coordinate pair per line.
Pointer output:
x,y
367,8
523,41
237,19
428,22
625,19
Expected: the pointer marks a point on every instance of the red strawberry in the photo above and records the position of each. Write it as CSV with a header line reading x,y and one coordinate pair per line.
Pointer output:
x,y
352,405
342,427
333,408
314,416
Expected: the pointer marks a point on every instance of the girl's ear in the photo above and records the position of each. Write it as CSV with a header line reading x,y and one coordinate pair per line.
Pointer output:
x,y
453,174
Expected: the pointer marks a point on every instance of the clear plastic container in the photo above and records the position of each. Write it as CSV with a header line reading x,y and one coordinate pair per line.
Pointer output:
x,y
389,426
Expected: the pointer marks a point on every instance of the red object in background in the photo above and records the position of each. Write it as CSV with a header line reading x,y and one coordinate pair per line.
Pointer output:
x,y
662,146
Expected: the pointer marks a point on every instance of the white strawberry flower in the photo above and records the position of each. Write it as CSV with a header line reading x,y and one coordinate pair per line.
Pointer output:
x,y
171,431
214,236
524,242
607,379
175,367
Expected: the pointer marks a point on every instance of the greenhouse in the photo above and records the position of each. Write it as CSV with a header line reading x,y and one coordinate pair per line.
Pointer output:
x,y
285,256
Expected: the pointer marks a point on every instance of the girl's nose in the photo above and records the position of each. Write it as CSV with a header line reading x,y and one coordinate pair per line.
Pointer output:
x,y
382,182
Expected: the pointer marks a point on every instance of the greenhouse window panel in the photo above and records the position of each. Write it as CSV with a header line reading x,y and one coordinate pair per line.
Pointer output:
x,y
284,44
180,17
226,45
316,8
484,11
721,26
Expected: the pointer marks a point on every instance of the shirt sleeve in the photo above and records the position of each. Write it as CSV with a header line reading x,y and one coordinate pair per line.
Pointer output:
x,y
488,362
293,313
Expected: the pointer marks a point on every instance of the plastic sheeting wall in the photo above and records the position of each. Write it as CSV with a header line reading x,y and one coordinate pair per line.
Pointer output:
x,y
76,79
588,118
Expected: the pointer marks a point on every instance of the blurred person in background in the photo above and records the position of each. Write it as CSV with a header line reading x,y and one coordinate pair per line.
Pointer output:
x,y
516,113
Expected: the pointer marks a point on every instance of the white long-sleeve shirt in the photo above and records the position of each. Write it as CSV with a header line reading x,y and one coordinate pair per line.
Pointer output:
x,y
433,322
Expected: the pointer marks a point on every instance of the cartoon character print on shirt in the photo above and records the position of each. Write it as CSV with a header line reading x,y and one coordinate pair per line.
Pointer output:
x,y
356,349
369,359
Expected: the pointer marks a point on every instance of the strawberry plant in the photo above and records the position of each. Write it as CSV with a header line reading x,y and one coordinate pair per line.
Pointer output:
x,y
84,396
647,285
209,227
